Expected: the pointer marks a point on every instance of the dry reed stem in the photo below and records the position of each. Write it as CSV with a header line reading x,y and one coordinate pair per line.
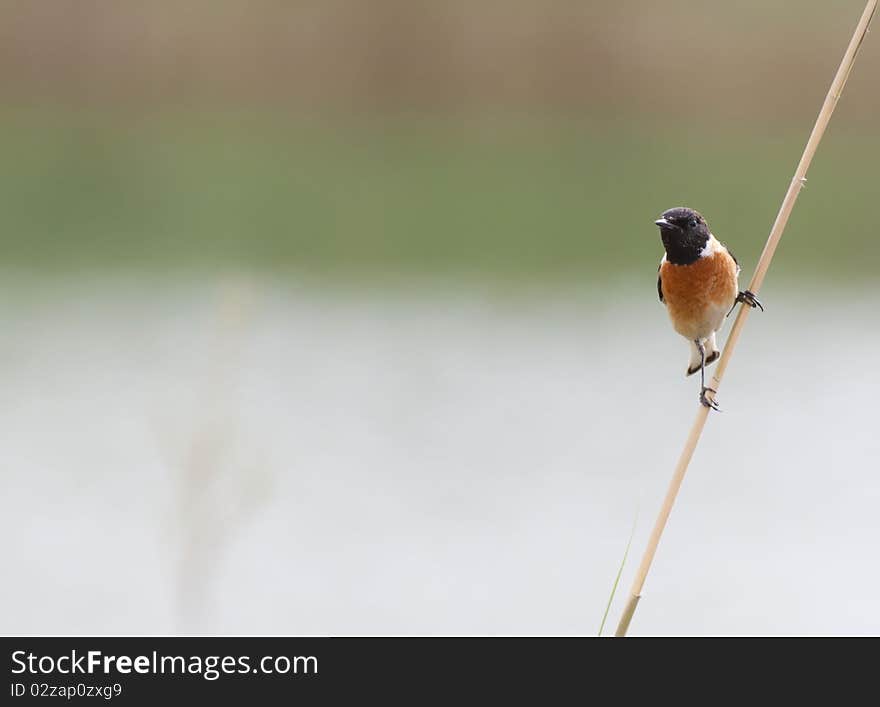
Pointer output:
x,y
791,196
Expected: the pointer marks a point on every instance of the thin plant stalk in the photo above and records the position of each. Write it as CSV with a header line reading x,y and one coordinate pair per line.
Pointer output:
x,y
619,573
797,182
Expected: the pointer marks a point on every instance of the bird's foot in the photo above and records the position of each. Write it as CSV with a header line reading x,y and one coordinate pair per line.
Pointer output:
x,y
747,297
711,404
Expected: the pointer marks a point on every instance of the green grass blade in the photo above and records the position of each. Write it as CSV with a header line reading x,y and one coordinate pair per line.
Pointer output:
x,y
619,572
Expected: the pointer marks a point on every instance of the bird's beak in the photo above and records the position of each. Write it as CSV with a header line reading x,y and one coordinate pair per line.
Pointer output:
x,y
663,223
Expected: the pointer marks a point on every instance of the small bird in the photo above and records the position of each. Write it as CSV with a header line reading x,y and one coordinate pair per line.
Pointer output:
x,y
697,281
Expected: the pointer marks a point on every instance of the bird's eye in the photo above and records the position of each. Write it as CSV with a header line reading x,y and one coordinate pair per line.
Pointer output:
x,y
693,223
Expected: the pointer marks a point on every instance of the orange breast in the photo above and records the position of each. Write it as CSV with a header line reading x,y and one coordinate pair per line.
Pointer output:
x,y
700,294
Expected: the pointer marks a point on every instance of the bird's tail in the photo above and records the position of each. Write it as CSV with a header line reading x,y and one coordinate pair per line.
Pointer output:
x,y
712,354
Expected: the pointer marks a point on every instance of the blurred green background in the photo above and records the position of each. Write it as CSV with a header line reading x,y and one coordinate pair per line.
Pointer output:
x,y
521,139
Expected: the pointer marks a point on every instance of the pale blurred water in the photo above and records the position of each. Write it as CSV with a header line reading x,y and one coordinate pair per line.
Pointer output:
x,y
293,459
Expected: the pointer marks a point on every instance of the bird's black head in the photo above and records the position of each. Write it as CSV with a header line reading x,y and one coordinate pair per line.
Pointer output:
x,y
684,233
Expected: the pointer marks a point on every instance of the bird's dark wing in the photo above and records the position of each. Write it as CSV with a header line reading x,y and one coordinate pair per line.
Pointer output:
x,y
730,253
659,285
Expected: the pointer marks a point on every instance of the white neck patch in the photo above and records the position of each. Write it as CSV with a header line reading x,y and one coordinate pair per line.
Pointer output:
x,y
712,246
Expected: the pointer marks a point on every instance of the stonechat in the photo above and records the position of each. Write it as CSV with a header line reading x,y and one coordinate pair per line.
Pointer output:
x,y
697,281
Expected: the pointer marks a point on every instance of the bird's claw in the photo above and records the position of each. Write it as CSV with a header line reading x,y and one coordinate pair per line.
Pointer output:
x,y
748,297
711,404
